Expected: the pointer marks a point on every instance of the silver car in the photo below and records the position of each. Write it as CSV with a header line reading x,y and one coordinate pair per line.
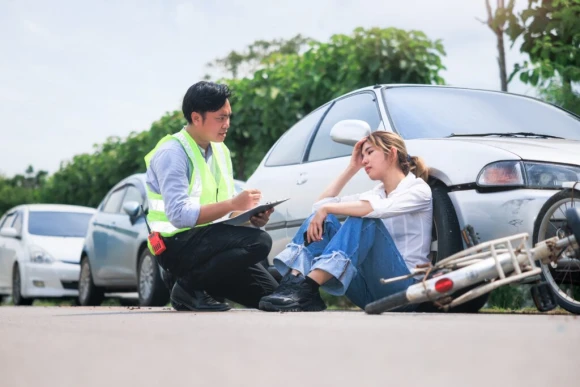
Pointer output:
x,y
115,257
494,158
40,247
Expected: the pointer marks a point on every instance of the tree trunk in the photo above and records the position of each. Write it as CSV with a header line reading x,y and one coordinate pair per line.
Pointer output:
x,y
498,30
501,60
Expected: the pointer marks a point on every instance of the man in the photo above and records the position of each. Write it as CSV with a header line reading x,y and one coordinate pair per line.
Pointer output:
x,y
189,186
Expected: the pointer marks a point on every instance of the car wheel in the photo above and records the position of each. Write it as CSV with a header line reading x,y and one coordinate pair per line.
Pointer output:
x,y
152,289
564,279
446,241
17,297
89,293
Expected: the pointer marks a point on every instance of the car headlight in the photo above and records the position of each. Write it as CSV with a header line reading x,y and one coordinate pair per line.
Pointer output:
x,y
527,174
39,255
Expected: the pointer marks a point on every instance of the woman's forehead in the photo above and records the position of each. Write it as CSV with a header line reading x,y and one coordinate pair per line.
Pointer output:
x,y
367,145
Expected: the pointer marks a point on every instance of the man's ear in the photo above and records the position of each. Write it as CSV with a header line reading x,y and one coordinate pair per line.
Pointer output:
x,y
196,118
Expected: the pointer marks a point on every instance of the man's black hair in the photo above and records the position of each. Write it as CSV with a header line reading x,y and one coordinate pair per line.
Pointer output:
x,y
204,97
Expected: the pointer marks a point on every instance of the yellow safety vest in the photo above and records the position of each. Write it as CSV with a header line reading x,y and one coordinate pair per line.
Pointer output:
x,y
203,188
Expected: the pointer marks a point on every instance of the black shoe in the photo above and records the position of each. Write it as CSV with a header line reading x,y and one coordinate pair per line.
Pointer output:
x,y
198,301
295,295
286,283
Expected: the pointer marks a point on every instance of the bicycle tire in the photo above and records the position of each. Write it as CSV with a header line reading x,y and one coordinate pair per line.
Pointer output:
x,y
547,275
387,303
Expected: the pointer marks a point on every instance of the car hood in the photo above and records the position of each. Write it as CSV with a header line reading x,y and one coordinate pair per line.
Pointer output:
x,y
533,149
66,249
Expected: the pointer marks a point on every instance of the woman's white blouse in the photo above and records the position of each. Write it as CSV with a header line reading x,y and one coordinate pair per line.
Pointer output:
x,y
407,213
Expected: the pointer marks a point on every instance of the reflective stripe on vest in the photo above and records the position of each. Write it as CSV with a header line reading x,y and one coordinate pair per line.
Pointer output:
x,y
196,187
222,163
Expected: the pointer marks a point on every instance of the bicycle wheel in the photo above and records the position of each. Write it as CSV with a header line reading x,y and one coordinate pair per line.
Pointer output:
x,y
564,279
387,303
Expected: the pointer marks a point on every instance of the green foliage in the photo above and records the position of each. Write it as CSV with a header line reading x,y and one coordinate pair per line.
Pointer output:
x,y
292,80
290,86
87,177
21,189
550,30
561,96
509,297
255,54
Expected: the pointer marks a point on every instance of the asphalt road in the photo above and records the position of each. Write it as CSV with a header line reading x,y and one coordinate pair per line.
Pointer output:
x,y
117,346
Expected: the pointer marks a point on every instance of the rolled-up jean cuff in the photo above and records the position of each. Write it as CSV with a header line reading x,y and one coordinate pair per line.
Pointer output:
x,y
340,267
293,257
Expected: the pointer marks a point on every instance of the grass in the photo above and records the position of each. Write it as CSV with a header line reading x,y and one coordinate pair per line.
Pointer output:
x,y
527,310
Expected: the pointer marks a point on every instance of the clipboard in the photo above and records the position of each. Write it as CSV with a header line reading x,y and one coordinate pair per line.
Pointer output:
x,y
244,217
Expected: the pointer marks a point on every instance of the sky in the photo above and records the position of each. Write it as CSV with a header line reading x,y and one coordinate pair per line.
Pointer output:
x,y
73,73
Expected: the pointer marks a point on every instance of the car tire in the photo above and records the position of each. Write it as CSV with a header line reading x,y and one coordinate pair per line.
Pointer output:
x,y
17,297
150,285
450,241
89,293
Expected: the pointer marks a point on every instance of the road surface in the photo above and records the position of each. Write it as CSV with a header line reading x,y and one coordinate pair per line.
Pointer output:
x,y
120,346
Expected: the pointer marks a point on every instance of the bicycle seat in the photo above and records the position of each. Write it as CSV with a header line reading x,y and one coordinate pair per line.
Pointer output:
x,y
573,218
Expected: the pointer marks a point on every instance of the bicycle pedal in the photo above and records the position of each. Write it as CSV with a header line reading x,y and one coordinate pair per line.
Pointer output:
x,y
543,297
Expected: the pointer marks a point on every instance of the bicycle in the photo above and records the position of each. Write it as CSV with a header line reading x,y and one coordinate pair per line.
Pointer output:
x,y
487,266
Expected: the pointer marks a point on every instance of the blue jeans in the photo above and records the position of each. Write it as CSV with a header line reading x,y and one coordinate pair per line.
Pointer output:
x,y
357,254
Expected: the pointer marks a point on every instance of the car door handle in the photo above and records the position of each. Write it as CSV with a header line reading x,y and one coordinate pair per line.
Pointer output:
x,y
303,178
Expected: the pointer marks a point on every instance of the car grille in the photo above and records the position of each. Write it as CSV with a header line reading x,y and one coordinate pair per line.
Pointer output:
x,y
74,285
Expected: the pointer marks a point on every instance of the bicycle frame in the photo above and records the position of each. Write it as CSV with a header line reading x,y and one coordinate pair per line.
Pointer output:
x,y
496,261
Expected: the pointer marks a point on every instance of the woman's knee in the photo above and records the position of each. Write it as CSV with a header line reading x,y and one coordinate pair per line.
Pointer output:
x,y
332,219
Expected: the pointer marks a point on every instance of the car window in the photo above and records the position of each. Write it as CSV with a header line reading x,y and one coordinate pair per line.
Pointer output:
x,y
18,223
133,195
435,112
9,220
290,149
113,203
57,223
2,219
361,106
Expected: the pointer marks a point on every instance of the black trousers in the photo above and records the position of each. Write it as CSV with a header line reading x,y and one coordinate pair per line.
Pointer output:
x,y
222,260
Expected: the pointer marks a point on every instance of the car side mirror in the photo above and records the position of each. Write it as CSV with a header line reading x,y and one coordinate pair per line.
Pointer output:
x,y
132,208
349,132
10,232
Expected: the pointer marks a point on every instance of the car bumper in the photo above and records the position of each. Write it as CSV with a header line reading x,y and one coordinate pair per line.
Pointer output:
x,y
500,214
58,279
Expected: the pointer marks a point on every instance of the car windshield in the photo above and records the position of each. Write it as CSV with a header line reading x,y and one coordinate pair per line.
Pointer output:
x,y
62,224
431,112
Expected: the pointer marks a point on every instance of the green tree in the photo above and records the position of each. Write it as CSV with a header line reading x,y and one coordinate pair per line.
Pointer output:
x,y
550,31
88,177
252,57
291,86
21,189
289,83
498,22
566,98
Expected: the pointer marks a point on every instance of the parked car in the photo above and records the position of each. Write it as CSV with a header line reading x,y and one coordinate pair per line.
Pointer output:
x,y
494,158
40,246
115,257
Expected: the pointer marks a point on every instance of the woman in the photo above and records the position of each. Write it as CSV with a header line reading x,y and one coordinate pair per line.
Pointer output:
x,y
387,232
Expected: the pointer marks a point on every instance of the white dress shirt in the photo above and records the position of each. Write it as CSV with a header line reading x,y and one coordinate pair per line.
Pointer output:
x,y
407,213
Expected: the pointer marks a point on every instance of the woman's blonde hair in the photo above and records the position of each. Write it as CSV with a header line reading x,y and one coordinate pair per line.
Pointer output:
x,y
386,140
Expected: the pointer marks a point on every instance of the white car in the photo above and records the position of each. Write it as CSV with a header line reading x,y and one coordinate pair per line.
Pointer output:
x,y
494,158
40,249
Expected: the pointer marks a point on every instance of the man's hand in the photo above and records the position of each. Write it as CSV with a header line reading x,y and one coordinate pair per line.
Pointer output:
x,y
246,200
260,220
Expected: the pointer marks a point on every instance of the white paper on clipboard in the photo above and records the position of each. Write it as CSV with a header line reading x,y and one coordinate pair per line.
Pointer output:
x,y
244,217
